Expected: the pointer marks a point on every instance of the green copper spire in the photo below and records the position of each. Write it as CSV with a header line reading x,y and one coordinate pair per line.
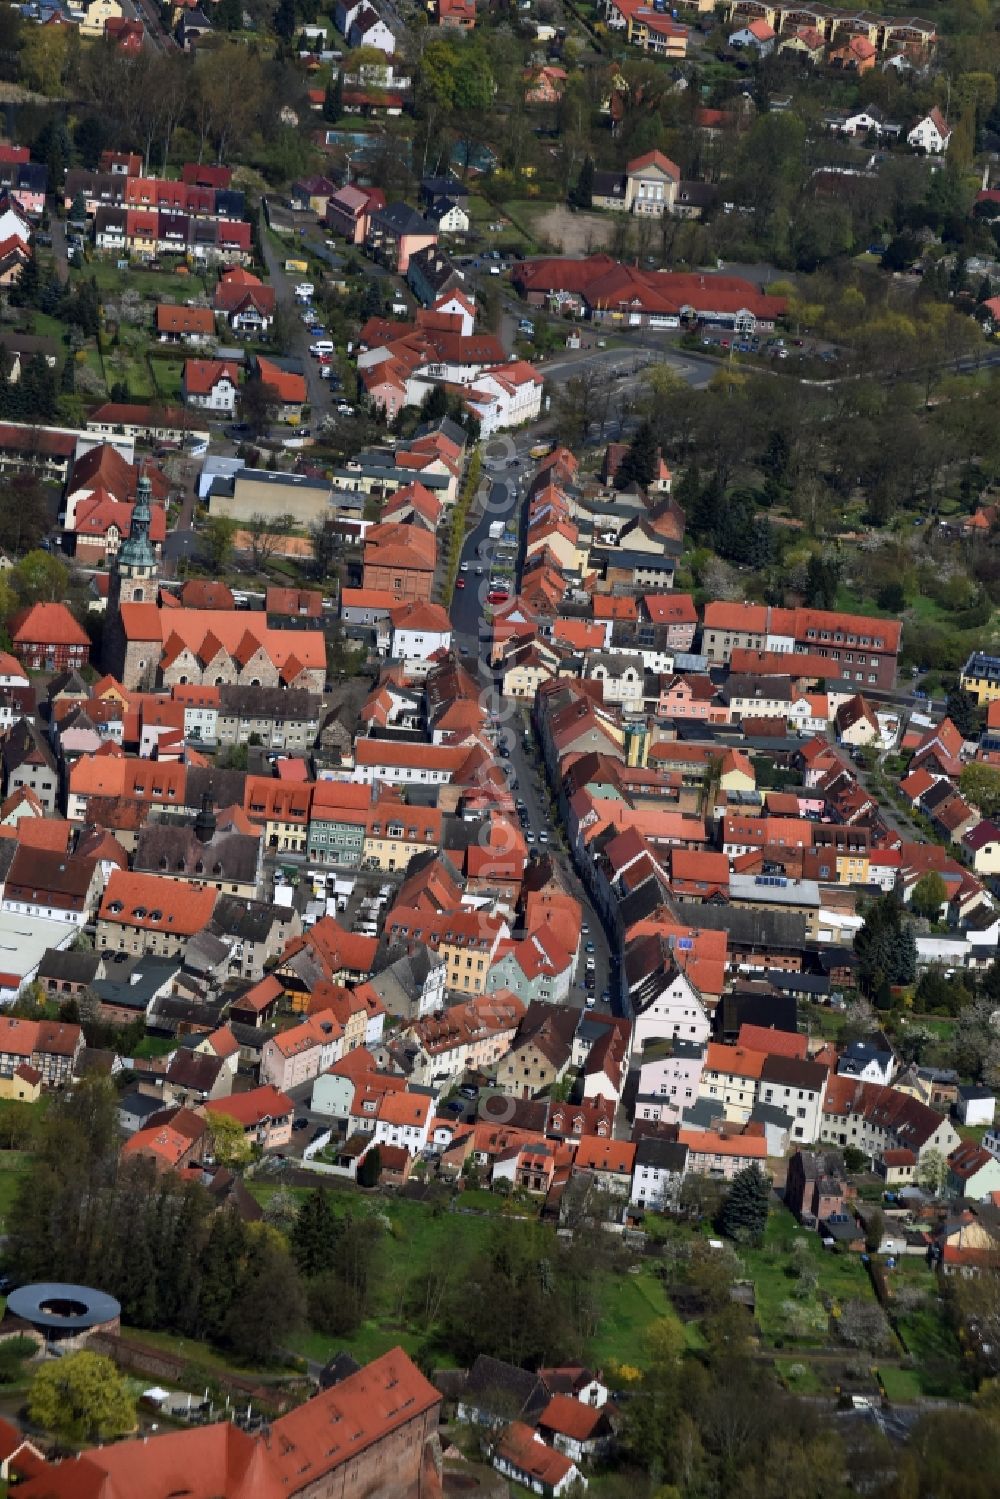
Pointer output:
x,y
136,554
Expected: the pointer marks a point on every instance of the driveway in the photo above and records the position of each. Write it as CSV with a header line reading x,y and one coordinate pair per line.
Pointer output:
x,y
284,290
60,249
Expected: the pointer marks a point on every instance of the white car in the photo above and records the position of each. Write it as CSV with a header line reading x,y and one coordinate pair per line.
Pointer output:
x,y
304,290
322,346
344,409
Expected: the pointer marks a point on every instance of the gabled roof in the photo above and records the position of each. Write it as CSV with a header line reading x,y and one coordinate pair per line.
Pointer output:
x,y
46,624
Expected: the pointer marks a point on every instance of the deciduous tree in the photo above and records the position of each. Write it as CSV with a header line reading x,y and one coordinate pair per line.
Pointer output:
x,y
81,1397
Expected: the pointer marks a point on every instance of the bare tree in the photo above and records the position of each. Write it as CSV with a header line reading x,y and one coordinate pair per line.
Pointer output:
x,y
863,1324
264,533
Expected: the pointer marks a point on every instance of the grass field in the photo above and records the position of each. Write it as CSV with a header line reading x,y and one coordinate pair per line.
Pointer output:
x,y
629,1304
12,1167
167,376
419,1239
799,1376
199,1355
154,1046
839,1277
169,285
940,1370
901,1384
422,1237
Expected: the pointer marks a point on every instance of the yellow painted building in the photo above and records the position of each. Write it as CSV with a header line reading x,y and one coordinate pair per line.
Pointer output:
x,y
981,677
24,1086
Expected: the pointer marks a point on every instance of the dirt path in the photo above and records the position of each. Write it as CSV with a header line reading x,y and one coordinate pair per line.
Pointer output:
x,y
572,233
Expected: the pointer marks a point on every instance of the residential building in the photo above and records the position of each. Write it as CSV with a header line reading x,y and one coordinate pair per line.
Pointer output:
x,y
931,134
873,1118
265,1113
142,913
721,1154
973,1173
403,1120
300,1054
396,232
522,1456
659,1169
46,637
211,385
816,1185
50,1047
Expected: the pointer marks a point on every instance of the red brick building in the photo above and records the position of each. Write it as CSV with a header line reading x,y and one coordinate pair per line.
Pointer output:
x,y
368,1437
46,637
400,560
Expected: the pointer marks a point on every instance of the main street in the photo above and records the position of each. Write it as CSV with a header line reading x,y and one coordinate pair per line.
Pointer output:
x,y
507,465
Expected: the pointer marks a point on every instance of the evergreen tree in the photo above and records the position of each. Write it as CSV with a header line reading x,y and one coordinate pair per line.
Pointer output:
x,y
285,20
268,1301
964,712
333,99
25,291
639,464
90,138
371,1168
220,1265
435,404
582,195
67,379
37,389
885,946
706,516
822,581
744,1212
315,1234
52,145
687,491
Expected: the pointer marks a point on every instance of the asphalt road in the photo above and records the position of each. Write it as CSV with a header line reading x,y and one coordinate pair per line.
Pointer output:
x,y
317,390
509,466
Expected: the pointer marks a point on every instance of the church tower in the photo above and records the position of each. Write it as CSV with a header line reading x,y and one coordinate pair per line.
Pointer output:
x,y
134,579
134,576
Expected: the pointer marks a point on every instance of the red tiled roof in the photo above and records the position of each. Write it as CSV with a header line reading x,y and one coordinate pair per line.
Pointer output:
x,y
47,624
174,907
250,1108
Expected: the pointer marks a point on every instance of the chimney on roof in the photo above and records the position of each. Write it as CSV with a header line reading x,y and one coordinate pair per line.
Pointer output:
x,y
205,823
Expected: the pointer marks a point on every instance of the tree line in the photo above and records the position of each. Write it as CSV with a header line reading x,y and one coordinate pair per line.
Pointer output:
x,y
155,1243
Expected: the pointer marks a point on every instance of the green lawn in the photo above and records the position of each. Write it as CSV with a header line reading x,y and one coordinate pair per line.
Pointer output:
x,y
44,326
167,375
901,1384
154,1046
629,1303
839,1277
482,1200
198,1354
151,285
799,1376
13,1164
938,1355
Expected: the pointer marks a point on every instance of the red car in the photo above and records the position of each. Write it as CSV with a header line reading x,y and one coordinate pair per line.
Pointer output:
x,y
459,582
497,596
